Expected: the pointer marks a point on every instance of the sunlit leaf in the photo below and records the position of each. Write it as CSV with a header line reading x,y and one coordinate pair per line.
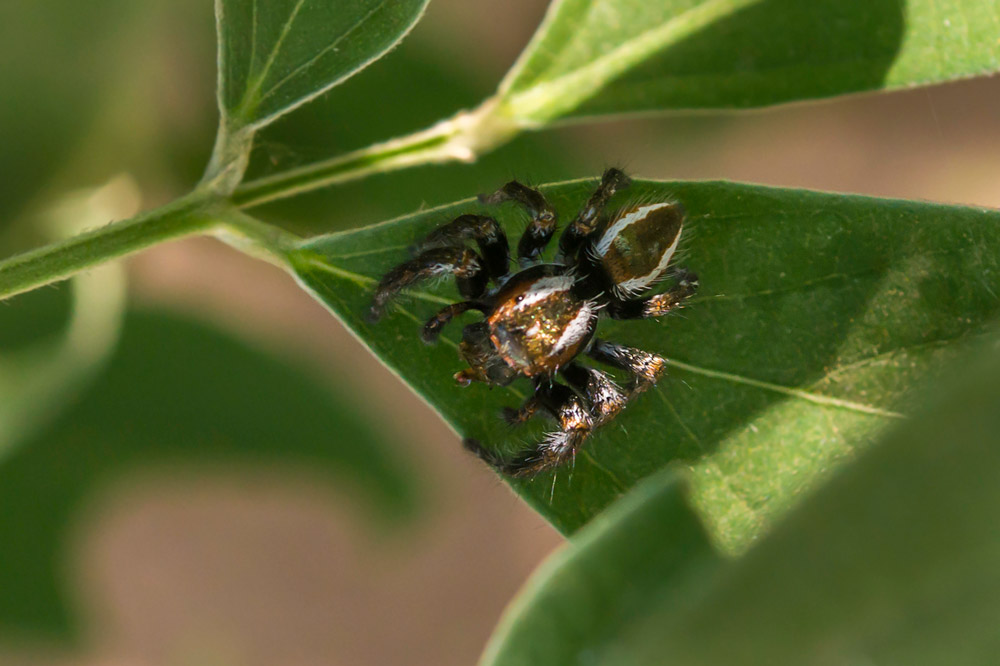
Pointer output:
x,y
275,55
817,316
893,562
595,57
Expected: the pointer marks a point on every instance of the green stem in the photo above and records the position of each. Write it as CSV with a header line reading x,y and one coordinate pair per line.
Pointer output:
x,y
255,238
461,138
59,261
229,160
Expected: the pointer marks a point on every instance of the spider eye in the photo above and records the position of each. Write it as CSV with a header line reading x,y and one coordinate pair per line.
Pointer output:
x,y
519,298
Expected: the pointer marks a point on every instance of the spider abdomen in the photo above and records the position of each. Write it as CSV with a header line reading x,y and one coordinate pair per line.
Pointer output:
x,y
638,245
538,324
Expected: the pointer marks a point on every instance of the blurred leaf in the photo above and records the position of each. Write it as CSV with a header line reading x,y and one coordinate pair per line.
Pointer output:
x,y
596,57
40,376
39,379
55,58
893,562
817,316
277,55
580,601
175,392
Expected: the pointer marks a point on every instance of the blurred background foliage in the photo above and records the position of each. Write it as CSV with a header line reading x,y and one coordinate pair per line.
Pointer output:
x,y
203,398
223,363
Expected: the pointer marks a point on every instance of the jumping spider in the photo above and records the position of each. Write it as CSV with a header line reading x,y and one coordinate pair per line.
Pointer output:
x,y
540,319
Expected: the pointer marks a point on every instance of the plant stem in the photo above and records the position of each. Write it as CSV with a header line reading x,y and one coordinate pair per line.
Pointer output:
x,y
59,261
255,238
461,138
229,160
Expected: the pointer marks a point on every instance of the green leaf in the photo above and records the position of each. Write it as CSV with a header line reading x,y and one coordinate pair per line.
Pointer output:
x,y
276,55
596,57
584,597
176,396
436,85
817,316
892,562
39,379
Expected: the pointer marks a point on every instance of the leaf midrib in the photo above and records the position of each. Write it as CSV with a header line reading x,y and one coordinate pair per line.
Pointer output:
x,y
819,399
584,81
252,90
309,63
252,98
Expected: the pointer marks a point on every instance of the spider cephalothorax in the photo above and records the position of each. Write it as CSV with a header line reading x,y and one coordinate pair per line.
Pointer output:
x,y
538,321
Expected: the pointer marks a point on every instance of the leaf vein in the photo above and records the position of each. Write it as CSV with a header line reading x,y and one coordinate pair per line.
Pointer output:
x,y
253,35
366,253
273,56
815,398
574,87
886,356
677,416
366,282
309,63
620,487
833,277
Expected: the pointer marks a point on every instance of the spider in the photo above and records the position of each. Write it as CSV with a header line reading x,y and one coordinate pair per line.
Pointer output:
x,y
540,320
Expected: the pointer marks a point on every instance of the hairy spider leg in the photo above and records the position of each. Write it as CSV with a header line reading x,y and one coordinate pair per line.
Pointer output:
x,y
588,219
644,367
660,304
529,408
522,414
605,398
464,263
543,218
575,425
487,233
432,329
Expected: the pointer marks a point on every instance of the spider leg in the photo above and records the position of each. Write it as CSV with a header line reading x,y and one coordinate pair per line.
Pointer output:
x,y
644,367
587,220
658,305
522,414
464,263
605,398
432,329
543,218
530,407
575,425
487,233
